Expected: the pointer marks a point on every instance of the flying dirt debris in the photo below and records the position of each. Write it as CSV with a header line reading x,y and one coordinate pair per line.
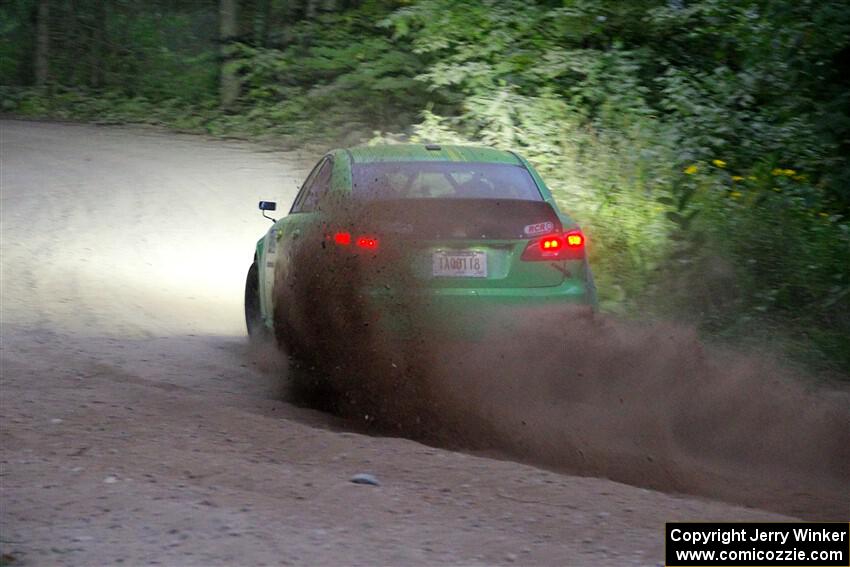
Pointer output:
x,y
560,386
647,405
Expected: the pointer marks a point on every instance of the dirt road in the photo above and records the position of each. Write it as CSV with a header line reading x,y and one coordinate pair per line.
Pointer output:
x,y
138,428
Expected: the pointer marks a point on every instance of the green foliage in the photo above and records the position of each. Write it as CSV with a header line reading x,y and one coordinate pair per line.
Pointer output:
x,y
136,49
15,41
366,76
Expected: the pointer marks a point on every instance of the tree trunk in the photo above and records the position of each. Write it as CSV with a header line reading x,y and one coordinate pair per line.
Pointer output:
x,y
96,79
228,30
310,8
262,13
42,45
314,6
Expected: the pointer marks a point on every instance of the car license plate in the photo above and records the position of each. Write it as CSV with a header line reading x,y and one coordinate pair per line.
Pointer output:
x,y
459,264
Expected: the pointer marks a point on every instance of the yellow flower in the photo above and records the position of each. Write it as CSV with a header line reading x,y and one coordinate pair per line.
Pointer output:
x,y
691,169
737,178
823,214
735,194
719,163
777,171
799,178
789,172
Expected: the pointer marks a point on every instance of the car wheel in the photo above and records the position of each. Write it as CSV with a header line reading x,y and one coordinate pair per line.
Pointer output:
x,y
257,329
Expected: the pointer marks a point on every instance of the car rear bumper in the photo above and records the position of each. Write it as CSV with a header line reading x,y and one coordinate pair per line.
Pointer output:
x,y
470,313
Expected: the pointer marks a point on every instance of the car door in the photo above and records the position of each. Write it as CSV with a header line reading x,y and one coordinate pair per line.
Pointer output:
x,y
284,238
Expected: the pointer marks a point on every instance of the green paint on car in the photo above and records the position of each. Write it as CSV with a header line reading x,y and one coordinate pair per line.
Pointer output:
x,y
475,230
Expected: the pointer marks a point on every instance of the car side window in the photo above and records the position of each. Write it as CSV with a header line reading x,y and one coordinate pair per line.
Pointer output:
x,y
299,198
315,187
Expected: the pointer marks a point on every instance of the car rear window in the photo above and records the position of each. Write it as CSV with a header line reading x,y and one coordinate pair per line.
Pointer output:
x,y
442,180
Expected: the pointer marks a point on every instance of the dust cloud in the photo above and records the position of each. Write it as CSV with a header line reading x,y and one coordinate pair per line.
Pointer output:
x,y
645,404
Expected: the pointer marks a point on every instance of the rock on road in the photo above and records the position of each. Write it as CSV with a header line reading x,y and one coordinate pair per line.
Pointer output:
x,y
138,427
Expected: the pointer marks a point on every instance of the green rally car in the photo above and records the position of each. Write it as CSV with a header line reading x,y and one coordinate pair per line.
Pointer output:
x,y
446,237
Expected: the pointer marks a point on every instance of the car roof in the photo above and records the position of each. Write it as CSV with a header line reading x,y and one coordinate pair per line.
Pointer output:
x,y
431,152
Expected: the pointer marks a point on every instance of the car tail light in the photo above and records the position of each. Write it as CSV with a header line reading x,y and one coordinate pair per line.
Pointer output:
x,y
574,239
367,242
568,246
551,244
363,241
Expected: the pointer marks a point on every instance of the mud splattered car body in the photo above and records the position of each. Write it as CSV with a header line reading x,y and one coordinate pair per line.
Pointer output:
x,y
464,233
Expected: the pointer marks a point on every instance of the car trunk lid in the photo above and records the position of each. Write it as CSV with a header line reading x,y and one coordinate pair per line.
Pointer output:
x,y
460,243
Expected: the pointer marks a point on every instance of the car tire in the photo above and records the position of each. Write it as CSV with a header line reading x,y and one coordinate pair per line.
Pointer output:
x,y
257,330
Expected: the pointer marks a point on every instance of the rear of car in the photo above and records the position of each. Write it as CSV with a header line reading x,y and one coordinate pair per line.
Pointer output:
x,y
468,236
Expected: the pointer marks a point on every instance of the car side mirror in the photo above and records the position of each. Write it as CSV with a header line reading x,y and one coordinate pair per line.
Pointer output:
x,y
268,206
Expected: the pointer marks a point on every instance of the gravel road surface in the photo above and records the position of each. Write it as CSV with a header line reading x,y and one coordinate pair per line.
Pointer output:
x,y
138,427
